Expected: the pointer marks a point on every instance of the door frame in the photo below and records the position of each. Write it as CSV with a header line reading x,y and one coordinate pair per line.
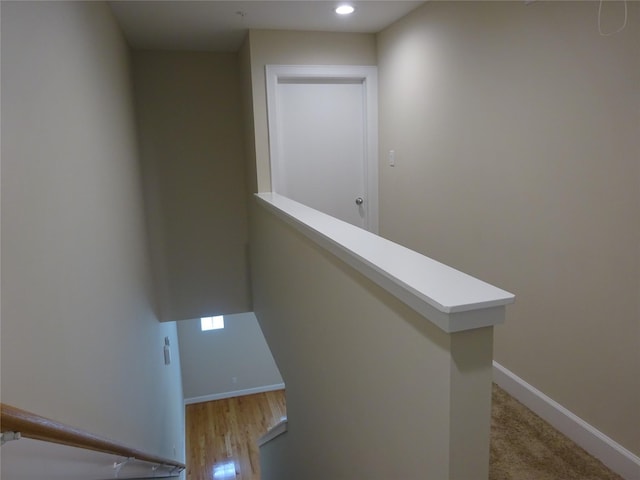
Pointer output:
x,y
365,75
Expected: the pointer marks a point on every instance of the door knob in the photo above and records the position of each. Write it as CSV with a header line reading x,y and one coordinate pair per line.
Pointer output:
x,y
359,201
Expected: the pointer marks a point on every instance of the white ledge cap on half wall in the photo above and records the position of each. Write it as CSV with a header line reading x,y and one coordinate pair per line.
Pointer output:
x,y
452,300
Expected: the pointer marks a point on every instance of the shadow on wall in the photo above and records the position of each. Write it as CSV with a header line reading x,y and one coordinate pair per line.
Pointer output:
x,y
225,362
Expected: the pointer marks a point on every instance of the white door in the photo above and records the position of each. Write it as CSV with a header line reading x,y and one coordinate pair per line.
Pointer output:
x,y
323,137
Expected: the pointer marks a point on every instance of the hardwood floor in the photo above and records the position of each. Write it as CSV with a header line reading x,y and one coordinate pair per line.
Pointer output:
x,y
221,435
221,441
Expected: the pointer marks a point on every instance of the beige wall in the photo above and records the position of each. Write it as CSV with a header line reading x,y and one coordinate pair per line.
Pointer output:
x,y
374,390
211,360
190,122
244,59
275,47
516,132
80,341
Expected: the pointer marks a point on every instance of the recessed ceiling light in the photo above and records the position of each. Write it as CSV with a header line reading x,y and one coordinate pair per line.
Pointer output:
x,y
344,10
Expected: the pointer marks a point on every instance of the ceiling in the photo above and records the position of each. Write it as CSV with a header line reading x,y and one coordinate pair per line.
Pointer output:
x,y
220,26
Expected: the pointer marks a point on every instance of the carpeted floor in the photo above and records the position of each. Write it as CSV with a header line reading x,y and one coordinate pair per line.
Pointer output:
x,y
525,447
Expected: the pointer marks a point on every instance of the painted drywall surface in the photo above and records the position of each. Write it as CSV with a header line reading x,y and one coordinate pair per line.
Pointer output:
x,y
276,47
190,123
515,130
211,360
80,341
373,389
244,59
275,462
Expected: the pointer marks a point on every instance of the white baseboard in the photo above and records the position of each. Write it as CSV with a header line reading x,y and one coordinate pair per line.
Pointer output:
x,y
612,454
275,432
236,393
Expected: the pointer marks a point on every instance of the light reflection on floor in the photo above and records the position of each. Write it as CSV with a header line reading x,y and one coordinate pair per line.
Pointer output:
x,y
222,435
224,470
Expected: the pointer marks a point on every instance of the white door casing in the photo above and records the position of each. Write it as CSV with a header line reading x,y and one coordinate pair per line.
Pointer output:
x,y
323,136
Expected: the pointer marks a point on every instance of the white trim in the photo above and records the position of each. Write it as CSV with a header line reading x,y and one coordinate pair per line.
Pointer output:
x,y
608,451
450,299
280,429
236,393
368,77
